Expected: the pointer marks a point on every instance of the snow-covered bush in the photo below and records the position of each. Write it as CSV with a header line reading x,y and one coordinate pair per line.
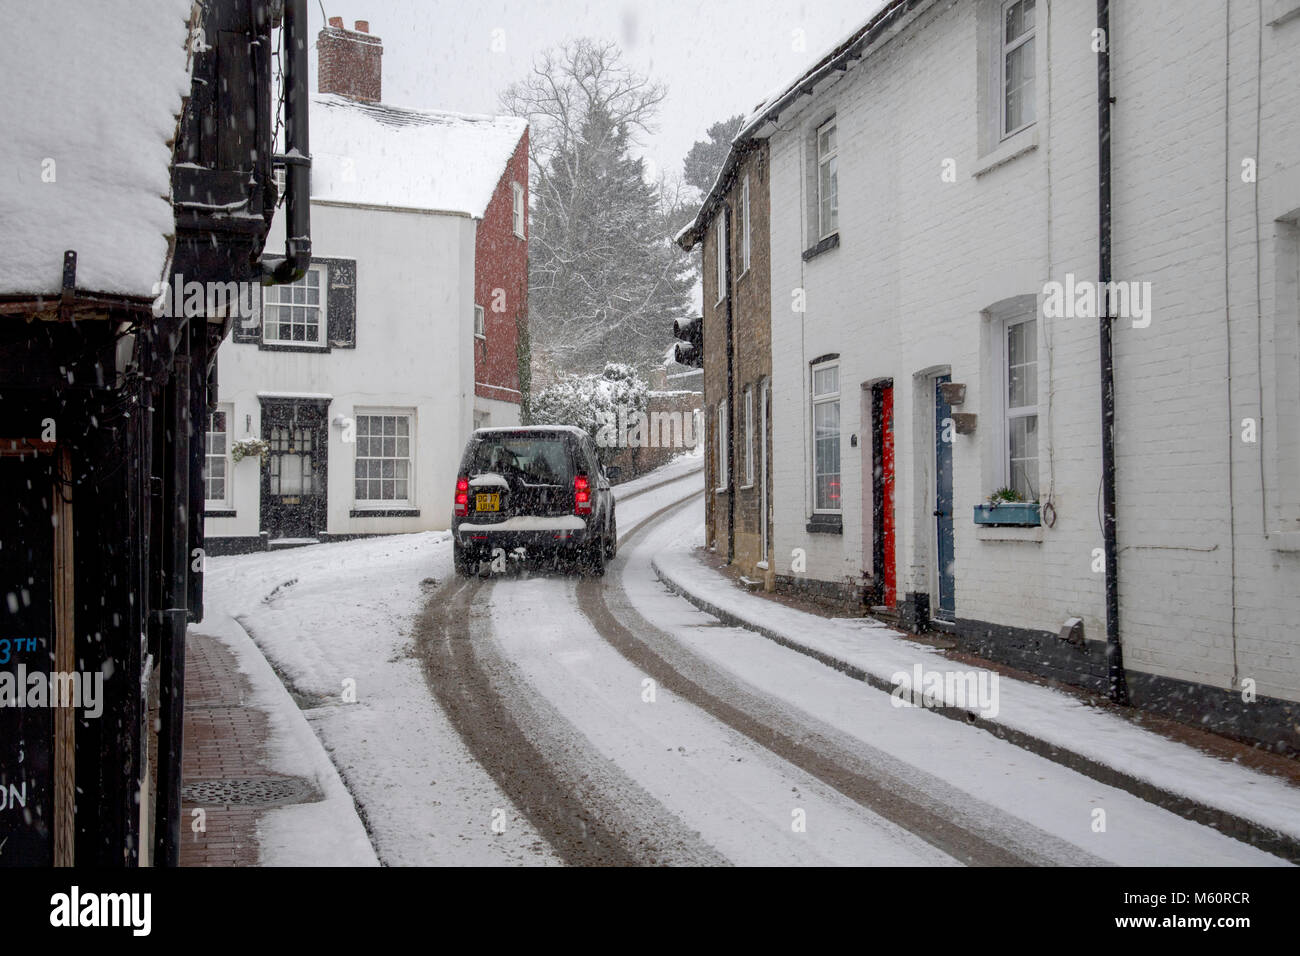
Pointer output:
x,y
610,398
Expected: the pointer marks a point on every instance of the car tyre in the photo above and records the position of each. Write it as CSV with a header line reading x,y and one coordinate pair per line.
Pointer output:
x,y
611,541
594,559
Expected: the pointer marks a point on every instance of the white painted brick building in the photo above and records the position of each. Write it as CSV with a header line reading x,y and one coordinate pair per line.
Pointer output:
x,y
920,273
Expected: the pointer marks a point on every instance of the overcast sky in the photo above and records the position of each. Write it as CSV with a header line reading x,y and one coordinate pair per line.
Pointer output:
x,y
717,57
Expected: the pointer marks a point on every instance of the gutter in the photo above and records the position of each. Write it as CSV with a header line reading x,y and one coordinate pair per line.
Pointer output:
x,y
1117,686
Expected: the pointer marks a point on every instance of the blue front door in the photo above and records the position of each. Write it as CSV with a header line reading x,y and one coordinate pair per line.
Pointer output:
x,y
944,606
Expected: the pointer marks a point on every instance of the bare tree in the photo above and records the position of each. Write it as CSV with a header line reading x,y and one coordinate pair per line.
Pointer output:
x,y
604,281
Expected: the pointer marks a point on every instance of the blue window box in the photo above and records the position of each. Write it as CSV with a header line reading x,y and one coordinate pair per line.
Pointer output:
x,y
1020,513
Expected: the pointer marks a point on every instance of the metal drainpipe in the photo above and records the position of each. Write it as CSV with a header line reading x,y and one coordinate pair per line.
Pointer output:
x,y
297,158
731,390
1117,687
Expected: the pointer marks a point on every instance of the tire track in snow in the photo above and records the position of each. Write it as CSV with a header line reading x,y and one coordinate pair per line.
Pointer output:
x,y
870,779
589,812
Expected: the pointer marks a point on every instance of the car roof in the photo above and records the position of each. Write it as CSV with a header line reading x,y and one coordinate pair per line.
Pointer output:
x,y
527,429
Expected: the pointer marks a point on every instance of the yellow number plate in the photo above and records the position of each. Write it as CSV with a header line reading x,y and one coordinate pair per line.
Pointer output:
x,y
490,502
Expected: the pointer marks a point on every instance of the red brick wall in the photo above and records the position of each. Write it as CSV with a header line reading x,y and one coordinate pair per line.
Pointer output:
x,y
501,263
350,62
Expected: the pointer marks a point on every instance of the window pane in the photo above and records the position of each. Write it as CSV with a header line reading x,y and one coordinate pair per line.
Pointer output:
x,y
1022,365
834,222
1024,456
1020,86
826,455
826,381
1020,19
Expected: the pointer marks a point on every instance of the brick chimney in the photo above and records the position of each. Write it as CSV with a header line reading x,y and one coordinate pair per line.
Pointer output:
x,y
349,61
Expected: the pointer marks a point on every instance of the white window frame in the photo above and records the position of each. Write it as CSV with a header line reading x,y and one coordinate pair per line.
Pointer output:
x,y
723,477
517,220
824,229
223,503
323,307
385,504
1005,50
749,436
720,242
744,226
823,398
480,322
1005,412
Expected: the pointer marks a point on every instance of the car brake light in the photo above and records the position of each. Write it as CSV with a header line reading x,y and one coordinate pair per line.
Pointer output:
x,y
462,497
581,495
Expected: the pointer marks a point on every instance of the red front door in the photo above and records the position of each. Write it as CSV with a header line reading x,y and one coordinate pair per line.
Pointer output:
x,y
887,488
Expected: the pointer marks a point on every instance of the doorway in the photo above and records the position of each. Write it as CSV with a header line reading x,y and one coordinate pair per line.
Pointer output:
x,y
294,480
944,610
884,573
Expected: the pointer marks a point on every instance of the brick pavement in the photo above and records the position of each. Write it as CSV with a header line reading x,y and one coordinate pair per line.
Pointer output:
x,y
225,739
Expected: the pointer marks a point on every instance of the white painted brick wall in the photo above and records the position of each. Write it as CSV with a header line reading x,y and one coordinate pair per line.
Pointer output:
x,y
919,259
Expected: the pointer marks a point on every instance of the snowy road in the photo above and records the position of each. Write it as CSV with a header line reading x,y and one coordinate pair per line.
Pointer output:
x,y
537,718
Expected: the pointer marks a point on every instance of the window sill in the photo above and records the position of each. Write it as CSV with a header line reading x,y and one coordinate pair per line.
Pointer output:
x,y
825,524
384,513
748,487
218,513
1010,148
826,245
719,491
289,347
985,532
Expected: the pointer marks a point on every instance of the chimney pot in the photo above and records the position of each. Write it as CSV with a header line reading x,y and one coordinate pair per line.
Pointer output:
x,y
363,26
336,22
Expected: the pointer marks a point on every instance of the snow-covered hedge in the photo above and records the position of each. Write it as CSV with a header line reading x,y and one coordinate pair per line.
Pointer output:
x,y
594,400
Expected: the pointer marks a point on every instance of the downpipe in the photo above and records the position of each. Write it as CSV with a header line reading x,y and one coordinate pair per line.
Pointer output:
x,y
297,154
1117,687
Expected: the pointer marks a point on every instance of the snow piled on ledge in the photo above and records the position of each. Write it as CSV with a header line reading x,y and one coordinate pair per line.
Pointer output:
x,y
95,87
381,155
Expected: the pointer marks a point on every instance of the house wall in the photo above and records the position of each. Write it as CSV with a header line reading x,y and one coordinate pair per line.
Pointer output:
x,y
413,350
501,288
752,363
924,264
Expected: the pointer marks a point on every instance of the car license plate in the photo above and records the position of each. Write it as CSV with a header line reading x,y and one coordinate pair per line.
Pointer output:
x,y
488,502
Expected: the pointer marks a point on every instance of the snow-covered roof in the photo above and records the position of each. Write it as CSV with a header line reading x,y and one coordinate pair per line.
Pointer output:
x,y
382,155
91,96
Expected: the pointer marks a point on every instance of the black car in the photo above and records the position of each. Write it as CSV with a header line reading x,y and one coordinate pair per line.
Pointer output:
x,y
539,488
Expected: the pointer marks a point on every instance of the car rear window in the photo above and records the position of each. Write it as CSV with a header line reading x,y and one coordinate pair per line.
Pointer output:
x,y
540,461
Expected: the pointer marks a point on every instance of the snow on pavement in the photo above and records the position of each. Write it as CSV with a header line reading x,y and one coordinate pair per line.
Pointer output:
x,y
291,835
331,613
1045,794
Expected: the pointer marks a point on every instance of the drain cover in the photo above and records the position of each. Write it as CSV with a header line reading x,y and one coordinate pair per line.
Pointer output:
x,y
254,792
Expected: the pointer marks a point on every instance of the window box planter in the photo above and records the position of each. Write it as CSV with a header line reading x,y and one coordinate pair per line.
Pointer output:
x,y
1023,514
